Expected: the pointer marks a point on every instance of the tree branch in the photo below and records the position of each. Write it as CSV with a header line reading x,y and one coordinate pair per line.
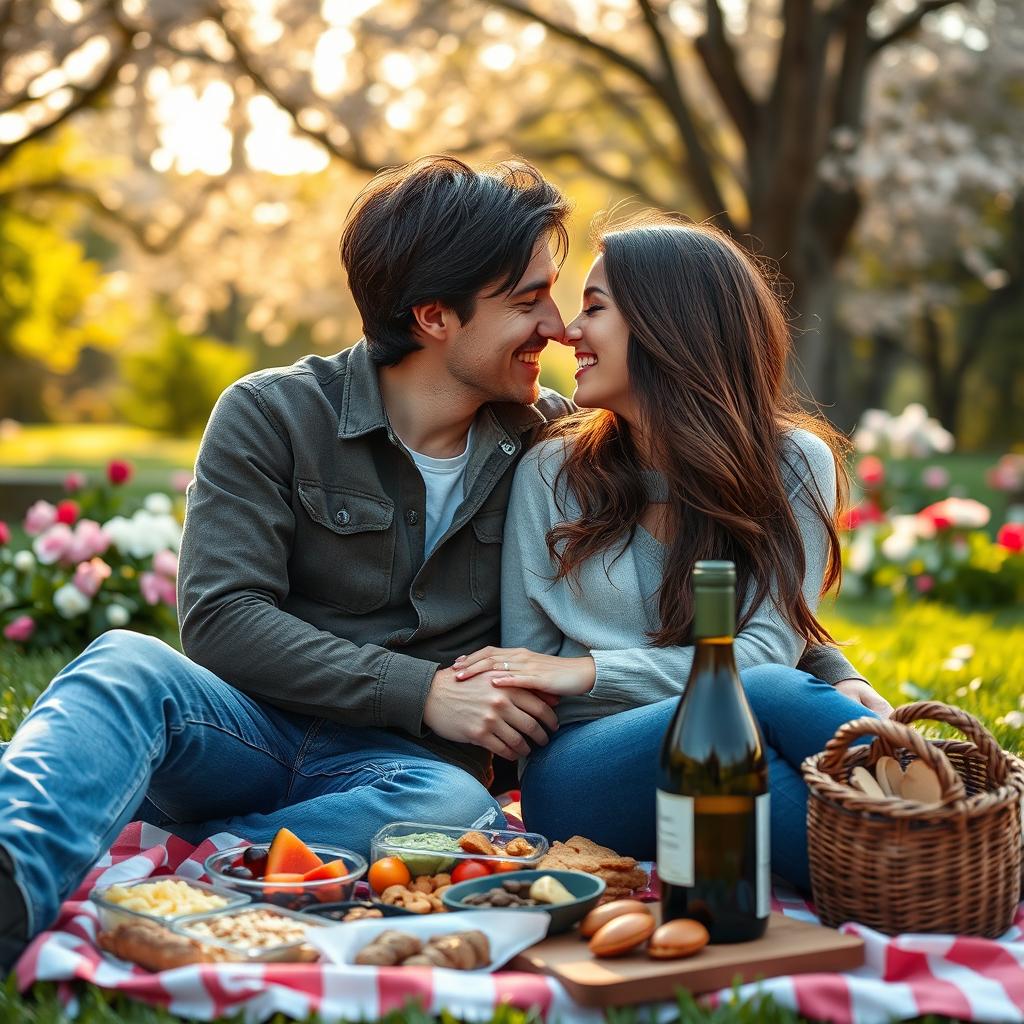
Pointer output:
x,y
719,58
908,24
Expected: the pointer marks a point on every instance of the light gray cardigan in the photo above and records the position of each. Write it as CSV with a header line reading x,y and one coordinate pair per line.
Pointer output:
x,y
615,604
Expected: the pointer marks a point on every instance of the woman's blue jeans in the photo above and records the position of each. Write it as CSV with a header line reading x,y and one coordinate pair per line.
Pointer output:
x,y
597,779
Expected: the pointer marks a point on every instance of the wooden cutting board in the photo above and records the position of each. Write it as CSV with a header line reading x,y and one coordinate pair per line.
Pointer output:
x,y
788,947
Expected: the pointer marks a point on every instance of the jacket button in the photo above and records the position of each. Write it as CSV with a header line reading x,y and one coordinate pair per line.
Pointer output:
x,y
508,448
342,517
412,517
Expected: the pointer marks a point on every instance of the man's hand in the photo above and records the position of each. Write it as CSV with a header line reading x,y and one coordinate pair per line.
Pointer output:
x,y
515,666
499,720
863,693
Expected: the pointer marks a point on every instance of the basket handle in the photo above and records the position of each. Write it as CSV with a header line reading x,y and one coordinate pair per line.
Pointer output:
x,y
897,735
936,711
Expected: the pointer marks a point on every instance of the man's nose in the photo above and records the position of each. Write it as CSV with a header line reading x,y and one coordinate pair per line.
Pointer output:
x,y
552,327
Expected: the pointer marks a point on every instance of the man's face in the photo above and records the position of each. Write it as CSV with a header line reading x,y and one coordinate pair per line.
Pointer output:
x,y
497,354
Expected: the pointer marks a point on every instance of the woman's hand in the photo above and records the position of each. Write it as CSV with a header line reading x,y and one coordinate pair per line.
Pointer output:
x,y
863,693
563,677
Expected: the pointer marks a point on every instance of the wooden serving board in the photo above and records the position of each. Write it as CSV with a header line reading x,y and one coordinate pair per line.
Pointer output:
x,y
788,947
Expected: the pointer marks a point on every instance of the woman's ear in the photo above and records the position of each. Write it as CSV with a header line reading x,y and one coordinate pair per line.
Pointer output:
x,y
431,321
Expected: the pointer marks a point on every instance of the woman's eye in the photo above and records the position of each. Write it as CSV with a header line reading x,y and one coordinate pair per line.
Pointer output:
x,y
591,310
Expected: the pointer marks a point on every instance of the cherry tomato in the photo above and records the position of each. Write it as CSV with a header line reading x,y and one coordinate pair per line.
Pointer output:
x,y
507,865
388,871
469,869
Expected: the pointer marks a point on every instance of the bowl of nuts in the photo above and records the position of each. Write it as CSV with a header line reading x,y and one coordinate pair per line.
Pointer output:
x,y
565,896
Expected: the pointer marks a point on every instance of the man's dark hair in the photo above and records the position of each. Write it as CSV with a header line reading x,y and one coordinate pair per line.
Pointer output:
x,y
435,230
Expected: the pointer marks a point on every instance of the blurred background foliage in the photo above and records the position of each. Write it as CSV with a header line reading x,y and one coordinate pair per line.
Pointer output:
x,y
174,175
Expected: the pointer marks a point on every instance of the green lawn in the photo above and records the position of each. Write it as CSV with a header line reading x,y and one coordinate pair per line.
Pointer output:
x,y
908,654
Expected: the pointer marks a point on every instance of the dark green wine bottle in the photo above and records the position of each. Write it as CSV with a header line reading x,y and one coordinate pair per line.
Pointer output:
x,y
712,800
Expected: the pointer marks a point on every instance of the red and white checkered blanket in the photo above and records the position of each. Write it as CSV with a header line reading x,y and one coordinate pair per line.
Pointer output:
x,y
904,977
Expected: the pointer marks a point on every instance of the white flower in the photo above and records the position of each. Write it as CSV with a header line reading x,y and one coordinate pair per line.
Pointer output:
x,y
158,503
862,551
144,534
24,561
70,601
118,615
1014,719
898,545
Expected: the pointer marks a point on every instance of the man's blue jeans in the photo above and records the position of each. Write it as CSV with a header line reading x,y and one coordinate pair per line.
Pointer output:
x,y
597,779
133,729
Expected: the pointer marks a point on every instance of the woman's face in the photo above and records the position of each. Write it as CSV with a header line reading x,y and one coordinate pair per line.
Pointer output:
x,y
600,338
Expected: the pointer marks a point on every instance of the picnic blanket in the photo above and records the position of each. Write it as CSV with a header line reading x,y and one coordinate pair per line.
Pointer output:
x,y
903,977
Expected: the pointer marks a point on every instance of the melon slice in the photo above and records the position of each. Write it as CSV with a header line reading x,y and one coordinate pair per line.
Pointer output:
x,y
290,855
283,876
332,869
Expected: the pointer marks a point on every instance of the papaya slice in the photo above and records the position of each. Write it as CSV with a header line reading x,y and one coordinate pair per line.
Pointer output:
x,y
283,876
290,855
332,869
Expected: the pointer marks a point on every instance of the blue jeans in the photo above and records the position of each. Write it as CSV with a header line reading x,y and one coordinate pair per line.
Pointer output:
x,y
133,729
597,779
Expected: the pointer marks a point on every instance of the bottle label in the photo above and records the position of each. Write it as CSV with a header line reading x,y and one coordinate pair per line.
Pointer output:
x,y
675,838
762,813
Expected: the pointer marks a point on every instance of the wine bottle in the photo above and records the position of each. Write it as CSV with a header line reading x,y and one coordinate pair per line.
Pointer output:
x,y
712,799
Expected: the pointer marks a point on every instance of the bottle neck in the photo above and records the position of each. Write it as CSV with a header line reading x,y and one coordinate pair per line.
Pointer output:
x,y
714,615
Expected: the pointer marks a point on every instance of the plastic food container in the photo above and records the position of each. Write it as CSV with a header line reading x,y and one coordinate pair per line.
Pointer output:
x,y
289,895
295,951
392,841
112,914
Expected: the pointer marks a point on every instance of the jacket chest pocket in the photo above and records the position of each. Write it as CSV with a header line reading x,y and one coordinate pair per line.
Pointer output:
x,y
485,565
350,559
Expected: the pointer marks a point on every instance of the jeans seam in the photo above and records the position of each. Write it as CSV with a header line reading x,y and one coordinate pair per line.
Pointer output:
x,y
241,739
311,733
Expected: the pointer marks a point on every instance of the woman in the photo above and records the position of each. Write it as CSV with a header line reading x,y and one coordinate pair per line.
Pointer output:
x,y
693,448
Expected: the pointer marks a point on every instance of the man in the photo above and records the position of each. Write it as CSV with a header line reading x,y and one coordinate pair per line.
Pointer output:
x,y
341,548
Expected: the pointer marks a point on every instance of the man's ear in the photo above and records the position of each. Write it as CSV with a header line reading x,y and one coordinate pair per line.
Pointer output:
x,y
433,321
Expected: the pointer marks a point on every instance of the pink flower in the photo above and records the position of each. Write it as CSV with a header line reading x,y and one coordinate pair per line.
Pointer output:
x,y
871,471
1008,473
181,479
119,472
156,588
865,512
166,564
965,513
935,478
89,539
924,583
74,482
19,630
53,545
41,516
89,576
5,533
67,512
1011,536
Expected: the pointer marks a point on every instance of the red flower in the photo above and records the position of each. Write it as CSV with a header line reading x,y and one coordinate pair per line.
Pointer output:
x,y
1011,536
5,533
119,472
871,470
67,512
865,512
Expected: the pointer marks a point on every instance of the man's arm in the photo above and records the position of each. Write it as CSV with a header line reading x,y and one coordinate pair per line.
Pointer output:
x,y
233,577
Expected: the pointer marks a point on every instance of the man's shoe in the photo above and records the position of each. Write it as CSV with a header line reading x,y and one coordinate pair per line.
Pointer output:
x,y
13,917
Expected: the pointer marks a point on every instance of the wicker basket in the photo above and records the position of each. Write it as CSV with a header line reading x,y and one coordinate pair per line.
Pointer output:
x,y
901,866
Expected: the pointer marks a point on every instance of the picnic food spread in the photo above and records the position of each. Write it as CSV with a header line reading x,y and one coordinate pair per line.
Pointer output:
x,y
460,951
164,898
252,929
422,895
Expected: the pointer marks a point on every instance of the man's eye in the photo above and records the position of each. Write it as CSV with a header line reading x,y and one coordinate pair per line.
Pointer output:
x,y
529,304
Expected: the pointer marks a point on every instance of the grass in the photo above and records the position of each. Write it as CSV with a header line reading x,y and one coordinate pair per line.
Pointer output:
x,y
908,653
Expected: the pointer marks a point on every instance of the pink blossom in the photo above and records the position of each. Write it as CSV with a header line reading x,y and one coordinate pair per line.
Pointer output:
x,y
40,517
19,630
1011,536
5,533
166,564
89,540
74,482
181,479
924,583
871,470
53,545
89,576
155,588
935,478
965,513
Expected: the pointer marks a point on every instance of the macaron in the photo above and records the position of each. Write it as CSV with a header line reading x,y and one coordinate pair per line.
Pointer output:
x,y
675,939
621,934
609,911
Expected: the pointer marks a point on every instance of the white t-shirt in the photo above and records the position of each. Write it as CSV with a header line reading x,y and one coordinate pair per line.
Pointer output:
x,y
443,480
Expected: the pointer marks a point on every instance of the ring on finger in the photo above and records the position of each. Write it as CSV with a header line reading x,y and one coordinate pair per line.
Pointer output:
x,y
505,665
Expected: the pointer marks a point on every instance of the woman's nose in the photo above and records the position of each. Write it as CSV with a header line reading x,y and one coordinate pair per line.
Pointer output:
x,y
573,333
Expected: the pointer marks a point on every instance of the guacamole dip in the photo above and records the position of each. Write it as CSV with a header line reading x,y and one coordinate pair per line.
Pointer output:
x,y
430,862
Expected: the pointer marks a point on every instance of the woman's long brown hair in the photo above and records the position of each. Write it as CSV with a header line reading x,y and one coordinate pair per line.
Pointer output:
x,y
707,363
